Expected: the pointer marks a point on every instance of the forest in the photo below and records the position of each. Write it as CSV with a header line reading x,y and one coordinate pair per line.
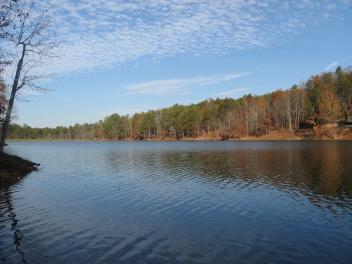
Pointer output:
x,y
324,100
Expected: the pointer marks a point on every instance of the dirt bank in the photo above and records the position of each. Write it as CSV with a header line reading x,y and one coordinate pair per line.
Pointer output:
x,y
13,168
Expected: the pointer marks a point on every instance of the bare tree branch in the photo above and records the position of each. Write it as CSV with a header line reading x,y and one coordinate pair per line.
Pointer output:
x,y
32,41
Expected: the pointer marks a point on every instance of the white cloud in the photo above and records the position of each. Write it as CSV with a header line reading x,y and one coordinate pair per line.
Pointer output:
x,y
231,93
123,111
179,86
331,67
103,33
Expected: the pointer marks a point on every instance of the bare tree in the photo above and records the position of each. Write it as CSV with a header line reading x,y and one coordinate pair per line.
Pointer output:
x,y
298,101
30,40
288,109
7,8
2,101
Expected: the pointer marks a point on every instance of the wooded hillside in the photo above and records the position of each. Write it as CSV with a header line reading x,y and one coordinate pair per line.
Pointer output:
x,y
324,99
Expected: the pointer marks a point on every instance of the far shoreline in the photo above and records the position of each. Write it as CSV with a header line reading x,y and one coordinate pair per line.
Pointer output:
x,y
243,139
341,134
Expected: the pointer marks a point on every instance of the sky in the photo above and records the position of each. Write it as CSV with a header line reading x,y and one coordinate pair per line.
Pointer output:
x,y
130,56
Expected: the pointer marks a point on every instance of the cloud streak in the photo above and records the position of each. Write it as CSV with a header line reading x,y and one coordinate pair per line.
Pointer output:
x,y
231,93
123,111
179,86
104,33
332,66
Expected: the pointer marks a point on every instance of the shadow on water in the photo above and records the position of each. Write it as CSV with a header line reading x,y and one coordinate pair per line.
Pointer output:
x,y
8,213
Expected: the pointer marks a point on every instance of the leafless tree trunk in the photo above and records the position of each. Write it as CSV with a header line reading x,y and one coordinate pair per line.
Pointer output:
x,y
6,123
288,109
131,128
30,32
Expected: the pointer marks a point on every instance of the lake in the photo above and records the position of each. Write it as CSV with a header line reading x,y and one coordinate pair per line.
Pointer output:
x,y
180,202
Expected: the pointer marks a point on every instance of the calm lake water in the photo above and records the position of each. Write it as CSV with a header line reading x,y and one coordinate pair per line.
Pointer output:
x,y
180,202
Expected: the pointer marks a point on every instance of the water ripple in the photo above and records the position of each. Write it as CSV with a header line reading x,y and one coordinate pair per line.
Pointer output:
x,y
178,202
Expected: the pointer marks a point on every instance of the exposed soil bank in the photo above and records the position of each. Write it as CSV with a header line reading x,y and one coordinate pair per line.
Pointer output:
x,y
13,168
317,133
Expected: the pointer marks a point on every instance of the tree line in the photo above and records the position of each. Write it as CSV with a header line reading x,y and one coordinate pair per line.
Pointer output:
x,y
324,99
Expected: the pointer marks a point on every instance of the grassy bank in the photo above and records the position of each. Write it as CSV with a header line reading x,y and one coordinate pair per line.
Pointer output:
x,y
13,168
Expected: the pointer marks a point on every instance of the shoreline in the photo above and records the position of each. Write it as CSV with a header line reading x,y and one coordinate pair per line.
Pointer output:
x,y
14,168
249,138
299,135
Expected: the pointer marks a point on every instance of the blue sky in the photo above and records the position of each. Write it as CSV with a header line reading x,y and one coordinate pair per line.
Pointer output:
x,y
124,57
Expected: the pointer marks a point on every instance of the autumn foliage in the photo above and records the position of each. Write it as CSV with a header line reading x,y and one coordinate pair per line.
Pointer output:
x,y
323,100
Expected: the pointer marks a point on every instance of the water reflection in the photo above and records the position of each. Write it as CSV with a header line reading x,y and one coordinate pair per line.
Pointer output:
x,y
322,170
8,219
